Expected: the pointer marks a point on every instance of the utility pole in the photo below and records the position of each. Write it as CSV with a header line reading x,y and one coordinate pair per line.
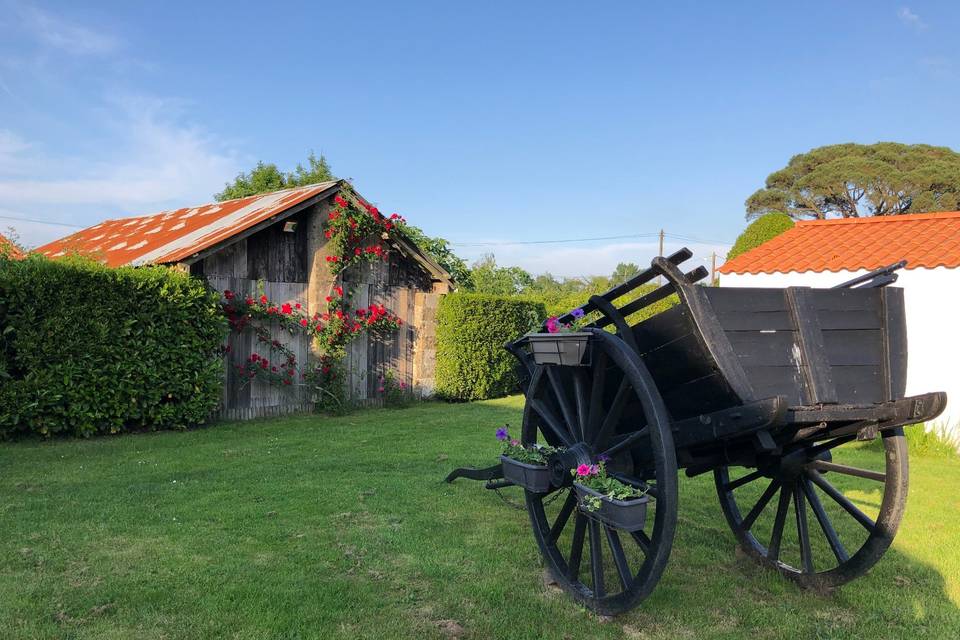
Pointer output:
x,y
713,269
660,278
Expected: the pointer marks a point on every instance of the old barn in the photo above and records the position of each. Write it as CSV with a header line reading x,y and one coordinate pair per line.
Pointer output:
x,y
274,243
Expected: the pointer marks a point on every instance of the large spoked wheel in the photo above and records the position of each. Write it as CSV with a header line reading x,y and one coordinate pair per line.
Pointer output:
x,y
856,496
610,408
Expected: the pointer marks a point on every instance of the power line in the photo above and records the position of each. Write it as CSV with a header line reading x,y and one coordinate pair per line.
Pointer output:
x,y
508,242
572,240
56,224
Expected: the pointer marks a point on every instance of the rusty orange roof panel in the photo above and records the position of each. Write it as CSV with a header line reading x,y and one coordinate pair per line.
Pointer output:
x,y
924,240
10,249
172,236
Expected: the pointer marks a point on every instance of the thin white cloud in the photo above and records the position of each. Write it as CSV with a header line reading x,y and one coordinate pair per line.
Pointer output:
x,y
59,33
155,161
911,19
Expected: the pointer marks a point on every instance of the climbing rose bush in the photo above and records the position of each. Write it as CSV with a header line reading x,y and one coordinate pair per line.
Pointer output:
x,y
358,232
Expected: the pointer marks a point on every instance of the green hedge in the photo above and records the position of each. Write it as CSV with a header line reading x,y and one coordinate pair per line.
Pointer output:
x,y
86,349
471,331
764,228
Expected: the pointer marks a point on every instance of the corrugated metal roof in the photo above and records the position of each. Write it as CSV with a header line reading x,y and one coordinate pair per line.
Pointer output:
x,y
924,240
172,236
10,249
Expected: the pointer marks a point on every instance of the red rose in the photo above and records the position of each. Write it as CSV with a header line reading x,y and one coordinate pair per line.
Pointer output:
x,y
297,305
356,251
328,299
286,309
263,299
228,294
303,322
249,301
339,290
340,201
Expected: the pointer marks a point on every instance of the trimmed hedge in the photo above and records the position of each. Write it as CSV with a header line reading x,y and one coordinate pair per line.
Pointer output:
x,y
764,228
471,331
86,349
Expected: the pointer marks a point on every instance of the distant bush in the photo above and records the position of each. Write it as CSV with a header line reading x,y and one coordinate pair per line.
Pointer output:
x,y
471,331
759,231
86,349
934,440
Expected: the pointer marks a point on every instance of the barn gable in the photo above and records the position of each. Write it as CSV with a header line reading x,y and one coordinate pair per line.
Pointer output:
x,y
273,244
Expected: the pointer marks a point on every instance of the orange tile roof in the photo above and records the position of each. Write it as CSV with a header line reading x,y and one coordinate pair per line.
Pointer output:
x,y
924,240
7,247
171,236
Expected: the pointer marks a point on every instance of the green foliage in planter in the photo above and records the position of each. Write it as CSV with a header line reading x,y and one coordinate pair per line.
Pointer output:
x,y
471,331
85,349
759,231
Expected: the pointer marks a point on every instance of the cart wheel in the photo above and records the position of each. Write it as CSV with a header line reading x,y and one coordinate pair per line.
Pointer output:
x,y
609,408
819,558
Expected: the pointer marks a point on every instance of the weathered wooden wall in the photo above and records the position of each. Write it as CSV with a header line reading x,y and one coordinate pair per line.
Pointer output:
x,y
281,263
393,284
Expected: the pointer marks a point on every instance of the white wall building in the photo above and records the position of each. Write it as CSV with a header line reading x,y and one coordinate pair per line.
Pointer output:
x,y
824,253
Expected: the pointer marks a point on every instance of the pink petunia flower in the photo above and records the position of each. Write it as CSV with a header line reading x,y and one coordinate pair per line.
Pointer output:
x,y
583,470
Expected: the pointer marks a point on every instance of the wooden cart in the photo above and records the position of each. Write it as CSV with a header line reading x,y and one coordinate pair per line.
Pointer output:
x,y
761,387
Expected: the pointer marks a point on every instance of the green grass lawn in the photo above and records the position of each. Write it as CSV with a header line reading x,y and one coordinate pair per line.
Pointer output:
x,y
342,528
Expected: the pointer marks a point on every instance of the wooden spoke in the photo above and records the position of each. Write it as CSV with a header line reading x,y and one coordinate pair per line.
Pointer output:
x,y
800,506
576,548
596,560
613,415
642,540
619,558
829,444
548,419
831,534
776,538
569,504
823,465
582,401
627,442
842,500
596,395
739,482
569,417
761,504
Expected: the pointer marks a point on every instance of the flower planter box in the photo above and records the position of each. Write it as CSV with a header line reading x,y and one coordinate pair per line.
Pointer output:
x,y
532,477
628,515
570,349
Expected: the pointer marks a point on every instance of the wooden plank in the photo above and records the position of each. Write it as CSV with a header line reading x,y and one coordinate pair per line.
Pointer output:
x,y
812,355
894,343
859,384
854,347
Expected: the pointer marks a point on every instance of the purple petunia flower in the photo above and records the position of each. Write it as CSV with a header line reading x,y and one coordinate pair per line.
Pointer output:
x,y
577,313
503,434
603,458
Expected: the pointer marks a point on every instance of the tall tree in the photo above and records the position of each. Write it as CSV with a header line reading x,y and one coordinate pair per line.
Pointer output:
x,y
623,272
487,277
853,180
439,249
267,177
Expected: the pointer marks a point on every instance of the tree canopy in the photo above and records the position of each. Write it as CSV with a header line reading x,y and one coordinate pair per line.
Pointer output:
x,y
759,231
854,180
439,249
487,277
267,177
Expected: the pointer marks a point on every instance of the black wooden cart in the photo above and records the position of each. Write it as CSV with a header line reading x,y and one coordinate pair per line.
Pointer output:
x,y
760,387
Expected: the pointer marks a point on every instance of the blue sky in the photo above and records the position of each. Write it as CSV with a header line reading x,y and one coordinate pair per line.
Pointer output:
x,y
483,122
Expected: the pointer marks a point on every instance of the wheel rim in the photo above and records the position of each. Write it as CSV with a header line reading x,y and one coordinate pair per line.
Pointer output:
x,y
830,540
586,409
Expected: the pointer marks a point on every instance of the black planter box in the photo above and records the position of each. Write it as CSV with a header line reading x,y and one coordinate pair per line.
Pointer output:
x,y
628,515
532,477
570,349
